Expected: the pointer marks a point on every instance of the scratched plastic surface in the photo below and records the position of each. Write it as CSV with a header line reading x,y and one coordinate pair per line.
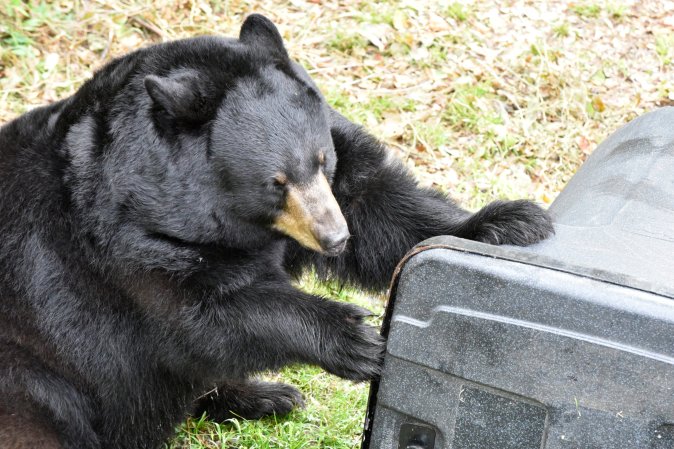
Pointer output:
x,y
568,344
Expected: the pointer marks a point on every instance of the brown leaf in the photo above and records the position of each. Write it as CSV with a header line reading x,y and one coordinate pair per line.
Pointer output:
x,y
598,104
583,143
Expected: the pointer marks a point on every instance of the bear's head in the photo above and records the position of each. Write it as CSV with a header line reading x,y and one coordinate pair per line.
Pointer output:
x,y
206,143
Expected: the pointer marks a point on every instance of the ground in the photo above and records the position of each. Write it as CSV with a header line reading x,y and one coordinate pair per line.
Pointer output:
x,y
482,99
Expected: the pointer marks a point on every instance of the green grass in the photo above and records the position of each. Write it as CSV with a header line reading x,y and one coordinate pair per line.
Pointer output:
x,y
616,10
458,11
562,29
664,47
587,10
470,108
347,43
332,418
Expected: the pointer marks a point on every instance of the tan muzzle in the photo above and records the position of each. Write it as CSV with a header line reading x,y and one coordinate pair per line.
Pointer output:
x,y
312,216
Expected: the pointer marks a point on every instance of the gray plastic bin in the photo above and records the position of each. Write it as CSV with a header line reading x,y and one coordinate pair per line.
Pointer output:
x,y
568,344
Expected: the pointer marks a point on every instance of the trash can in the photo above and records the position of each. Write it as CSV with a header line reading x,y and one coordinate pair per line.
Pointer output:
x,y
567,344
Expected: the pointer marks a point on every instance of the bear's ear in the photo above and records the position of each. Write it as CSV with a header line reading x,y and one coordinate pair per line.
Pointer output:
x,y
259,30
183,95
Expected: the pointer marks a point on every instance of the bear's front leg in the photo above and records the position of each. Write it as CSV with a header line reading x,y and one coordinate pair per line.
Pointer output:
x,y
248,399
351,349
284,326
517,222
270,324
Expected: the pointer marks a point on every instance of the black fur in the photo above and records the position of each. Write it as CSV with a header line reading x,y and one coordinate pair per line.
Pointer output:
x,y
138,269
250,400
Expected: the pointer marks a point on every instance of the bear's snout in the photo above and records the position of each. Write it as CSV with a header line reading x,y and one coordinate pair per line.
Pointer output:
x,y
313,218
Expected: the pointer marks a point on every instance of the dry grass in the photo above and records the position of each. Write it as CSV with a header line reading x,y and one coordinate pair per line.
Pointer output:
x,y
483,99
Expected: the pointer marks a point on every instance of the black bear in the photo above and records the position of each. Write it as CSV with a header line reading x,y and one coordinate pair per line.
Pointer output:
x,y
151,223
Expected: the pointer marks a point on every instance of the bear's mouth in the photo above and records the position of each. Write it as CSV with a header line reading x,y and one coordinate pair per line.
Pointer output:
x,y
313,218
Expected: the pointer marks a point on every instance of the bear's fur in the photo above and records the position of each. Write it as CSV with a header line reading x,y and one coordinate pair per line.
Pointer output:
x,y
150,224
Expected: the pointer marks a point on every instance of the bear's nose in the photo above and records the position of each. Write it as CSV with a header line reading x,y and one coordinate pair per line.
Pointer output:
x,y
334,243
